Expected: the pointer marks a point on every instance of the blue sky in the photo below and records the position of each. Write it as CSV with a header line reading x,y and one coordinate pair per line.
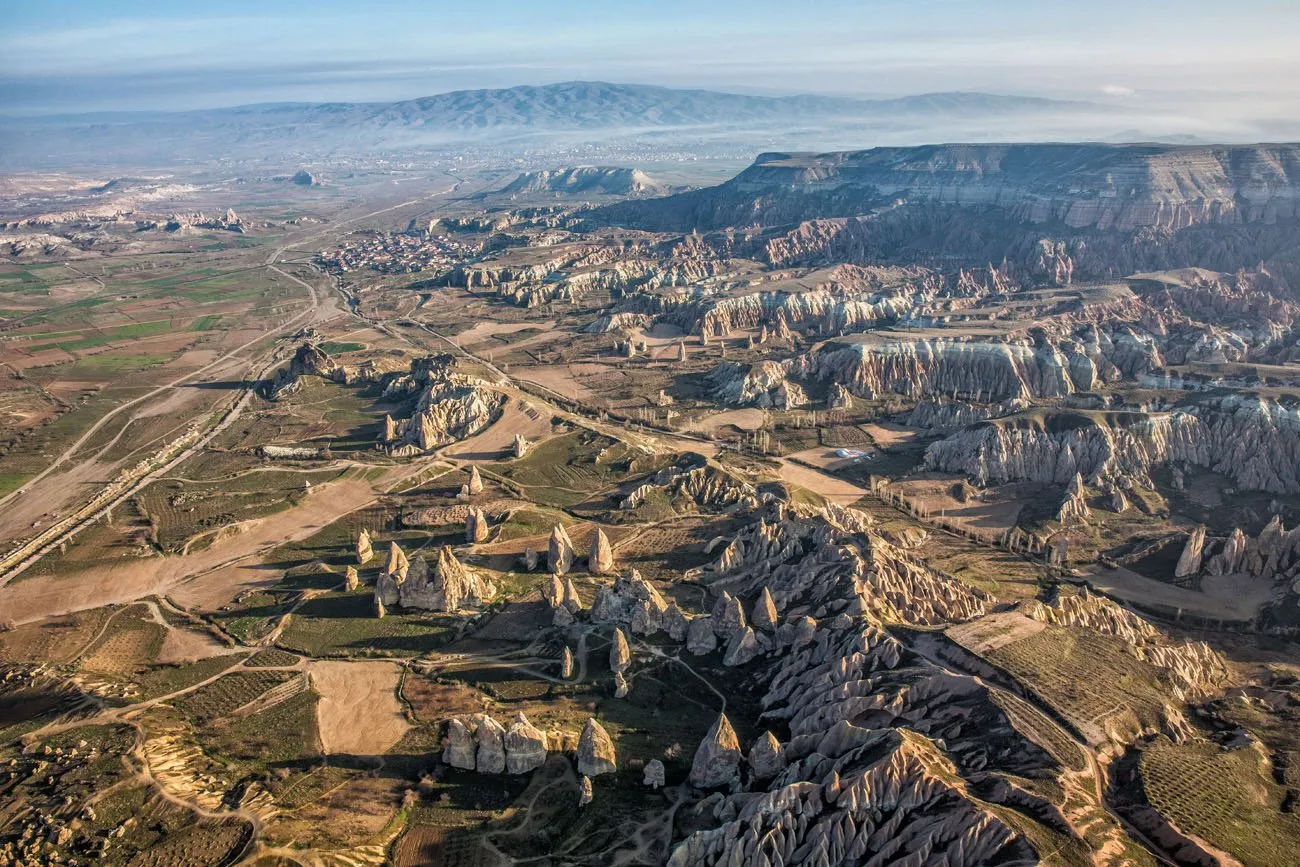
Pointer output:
x,y
129,54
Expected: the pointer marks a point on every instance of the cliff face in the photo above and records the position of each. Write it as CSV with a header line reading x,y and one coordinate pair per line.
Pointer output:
x,y
1255,442
918,368
1121,187
855,781
586,180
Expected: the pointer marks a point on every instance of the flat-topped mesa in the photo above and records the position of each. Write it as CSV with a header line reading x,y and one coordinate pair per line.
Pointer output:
x,y
476,526
600,559
475,481
718,757
365,550
595,751
559,556
1100,187
1074,507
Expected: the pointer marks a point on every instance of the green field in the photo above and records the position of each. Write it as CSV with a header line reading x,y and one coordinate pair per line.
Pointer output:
x,y
1224,796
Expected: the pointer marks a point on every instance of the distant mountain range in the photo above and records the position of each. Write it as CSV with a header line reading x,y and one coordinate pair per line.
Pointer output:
x,y
342,128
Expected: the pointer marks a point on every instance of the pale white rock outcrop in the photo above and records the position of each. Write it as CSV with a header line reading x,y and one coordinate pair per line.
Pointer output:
x,y
595,751
451,407
700,637
765,757
585,792
728,615
764,616
476,526
717,759
600,558
491,756
1189,562
1074,507
459,749
654,774
620,654
365,550
559,558
742,648
525,746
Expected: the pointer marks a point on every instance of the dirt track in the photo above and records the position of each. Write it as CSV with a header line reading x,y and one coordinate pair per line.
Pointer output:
x,y
205,579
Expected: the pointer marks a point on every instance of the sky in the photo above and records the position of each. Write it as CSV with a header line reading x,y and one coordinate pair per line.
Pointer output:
x,y
89,55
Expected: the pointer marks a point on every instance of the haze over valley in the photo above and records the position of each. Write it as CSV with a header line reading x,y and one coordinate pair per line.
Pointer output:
x,y
654,434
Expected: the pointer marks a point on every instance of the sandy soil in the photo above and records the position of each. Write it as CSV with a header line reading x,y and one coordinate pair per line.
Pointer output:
x,y
206,579
989,519
486,329
519,417
826,459
1227,598
562,378
994,630
358,713
886,434
833,489
745,419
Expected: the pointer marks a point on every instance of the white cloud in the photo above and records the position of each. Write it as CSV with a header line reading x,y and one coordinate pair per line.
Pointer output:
x,y
1118,90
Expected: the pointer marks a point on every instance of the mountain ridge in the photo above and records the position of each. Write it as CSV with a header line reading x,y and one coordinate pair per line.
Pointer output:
x,y
1088,185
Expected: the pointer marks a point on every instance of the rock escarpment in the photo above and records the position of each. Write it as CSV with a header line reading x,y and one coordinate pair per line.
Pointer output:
x,y
696,481
447,585
1196,668
1254,441
848,786
481,743
450,407
1096,186
763,385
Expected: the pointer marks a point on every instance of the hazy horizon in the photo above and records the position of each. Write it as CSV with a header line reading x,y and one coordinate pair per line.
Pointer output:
x,y
140,55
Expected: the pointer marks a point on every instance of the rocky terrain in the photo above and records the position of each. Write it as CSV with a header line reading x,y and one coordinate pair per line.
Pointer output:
x,y
585,181
927,506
